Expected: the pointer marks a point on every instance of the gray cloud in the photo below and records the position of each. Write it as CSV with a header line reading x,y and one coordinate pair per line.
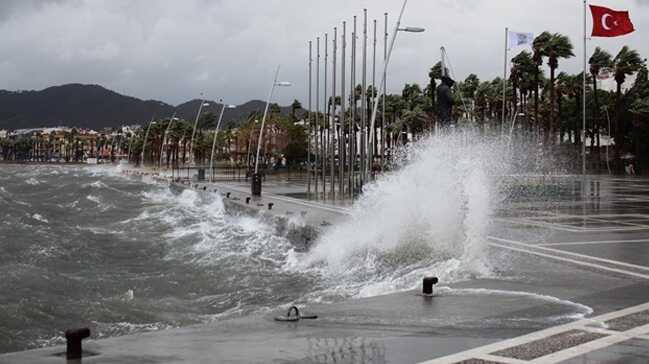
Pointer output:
x,y
174,50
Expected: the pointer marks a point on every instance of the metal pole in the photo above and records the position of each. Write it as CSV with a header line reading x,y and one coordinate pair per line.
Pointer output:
x,y
387,60
263,120
352,147
504,82
371,150
164,139
343,128
583,121
310,121
216,132
146,136
332,118
385,91
364,104
325,144
317,117
191,144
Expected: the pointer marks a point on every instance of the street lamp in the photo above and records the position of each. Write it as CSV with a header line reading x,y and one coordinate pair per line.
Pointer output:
x,y
146,136
256,177
216,132
412,29
397,29
164,139
191,144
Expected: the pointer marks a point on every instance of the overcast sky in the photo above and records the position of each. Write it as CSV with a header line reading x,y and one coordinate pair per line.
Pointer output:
x,y
173,50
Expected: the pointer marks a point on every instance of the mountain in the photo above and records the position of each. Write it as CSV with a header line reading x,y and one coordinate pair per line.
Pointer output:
x,y
95,107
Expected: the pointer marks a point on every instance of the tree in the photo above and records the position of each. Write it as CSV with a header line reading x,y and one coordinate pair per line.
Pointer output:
x,y
626,63
295,106
600,59
539,47
559,47
553,46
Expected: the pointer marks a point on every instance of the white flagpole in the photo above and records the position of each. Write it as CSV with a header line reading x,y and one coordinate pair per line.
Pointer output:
x,y
502,127
583,121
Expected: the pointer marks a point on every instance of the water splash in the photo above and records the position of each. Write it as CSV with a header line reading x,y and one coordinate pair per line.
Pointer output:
x,y
429,216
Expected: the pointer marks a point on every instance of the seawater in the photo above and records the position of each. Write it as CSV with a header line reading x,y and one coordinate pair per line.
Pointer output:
x,y
90,246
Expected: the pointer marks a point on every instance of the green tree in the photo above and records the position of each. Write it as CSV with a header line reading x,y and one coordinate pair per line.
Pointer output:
x,y
625,63
600,59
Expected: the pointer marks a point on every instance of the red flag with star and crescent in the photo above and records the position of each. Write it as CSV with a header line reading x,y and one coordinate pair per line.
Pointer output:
x,y
610,23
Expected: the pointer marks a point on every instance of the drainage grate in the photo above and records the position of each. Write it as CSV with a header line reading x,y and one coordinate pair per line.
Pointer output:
x,y
478,361
549,345
629,322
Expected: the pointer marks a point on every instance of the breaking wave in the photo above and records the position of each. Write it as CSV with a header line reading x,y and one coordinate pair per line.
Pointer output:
x,y
429,217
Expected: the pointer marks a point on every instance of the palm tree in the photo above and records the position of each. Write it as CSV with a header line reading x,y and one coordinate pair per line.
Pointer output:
x,y
523,77
600,59
435,73
626,62
558,47
295,106
539,47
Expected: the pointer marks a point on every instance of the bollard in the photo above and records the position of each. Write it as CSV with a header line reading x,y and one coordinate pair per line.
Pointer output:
x,y
227,195
270,205
428,284
74,337
204,188
247,200
256,184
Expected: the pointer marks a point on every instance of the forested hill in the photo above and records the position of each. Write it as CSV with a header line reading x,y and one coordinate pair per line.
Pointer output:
x,y
95,107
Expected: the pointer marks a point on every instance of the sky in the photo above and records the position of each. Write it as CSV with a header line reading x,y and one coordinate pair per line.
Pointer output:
x,y
174,51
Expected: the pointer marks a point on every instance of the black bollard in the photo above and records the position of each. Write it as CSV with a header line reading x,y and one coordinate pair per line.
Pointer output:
x,y
247,200
227,195
256,184
270,205
74,337
428,284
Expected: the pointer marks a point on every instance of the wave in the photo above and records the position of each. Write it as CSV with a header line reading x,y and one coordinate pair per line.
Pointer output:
x,y
430,216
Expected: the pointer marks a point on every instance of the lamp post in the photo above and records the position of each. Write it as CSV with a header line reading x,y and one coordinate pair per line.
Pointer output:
x,y
256,177
146,136
397,29
191,143
216,132
164,139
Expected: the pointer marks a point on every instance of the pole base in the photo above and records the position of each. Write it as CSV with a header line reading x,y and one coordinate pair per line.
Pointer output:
x,y
256,184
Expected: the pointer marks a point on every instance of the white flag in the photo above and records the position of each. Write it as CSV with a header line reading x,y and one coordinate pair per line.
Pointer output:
x,y
518,39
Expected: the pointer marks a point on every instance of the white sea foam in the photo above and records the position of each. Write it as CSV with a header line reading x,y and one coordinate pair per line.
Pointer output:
x,y
429,216
577,310
40,218
32,181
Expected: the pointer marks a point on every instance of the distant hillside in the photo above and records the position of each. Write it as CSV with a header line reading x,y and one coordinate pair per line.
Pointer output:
x,y
95,107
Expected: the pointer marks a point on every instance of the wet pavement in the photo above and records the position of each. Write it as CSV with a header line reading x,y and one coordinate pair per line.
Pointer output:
x,y
576,264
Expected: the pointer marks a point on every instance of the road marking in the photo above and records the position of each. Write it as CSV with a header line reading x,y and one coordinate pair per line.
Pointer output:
x,y
578,262
582,324
591,346
500,359
558,251
572,229
595,242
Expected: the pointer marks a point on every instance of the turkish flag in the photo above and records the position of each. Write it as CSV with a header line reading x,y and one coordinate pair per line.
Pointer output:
x,y
610,23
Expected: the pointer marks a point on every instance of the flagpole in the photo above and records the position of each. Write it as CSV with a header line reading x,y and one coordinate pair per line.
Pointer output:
x,y
502,127
583,121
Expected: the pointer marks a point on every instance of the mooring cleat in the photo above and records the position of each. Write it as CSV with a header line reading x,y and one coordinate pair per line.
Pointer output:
x,y
427,285
294,315
74,337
